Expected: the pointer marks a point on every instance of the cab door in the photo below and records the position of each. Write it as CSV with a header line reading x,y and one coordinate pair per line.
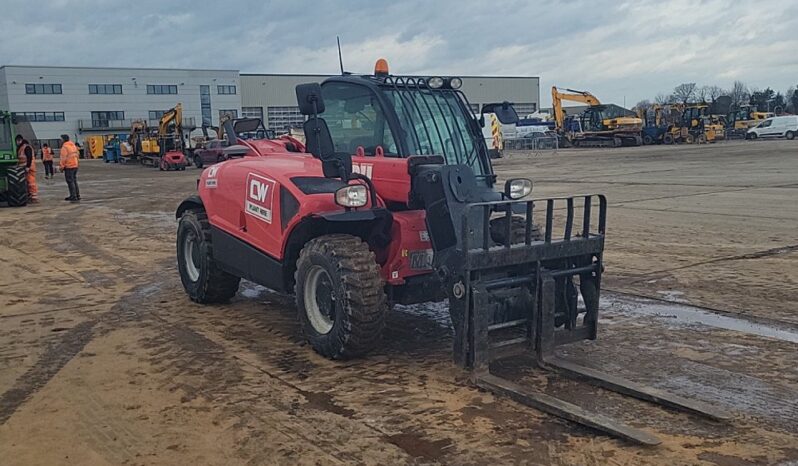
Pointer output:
x,y
360,127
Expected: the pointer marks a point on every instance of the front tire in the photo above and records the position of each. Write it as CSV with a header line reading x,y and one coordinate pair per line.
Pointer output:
x,y
202,278
340,296
17,194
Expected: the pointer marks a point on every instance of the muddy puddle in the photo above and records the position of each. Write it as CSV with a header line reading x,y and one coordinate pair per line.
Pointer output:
x,y
682,314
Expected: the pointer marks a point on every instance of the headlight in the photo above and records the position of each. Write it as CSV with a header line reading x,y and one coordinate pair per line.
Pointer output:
x,y
517,188
352,196
435,83
455,83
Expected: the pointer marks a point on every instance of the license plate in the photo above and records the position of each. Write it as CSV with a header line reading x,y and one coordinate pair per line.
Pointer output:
x,y
421,260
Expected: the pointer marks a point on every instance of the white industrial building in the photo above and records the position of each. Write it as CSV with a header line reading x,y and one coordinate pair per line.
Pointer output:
x,y
82,101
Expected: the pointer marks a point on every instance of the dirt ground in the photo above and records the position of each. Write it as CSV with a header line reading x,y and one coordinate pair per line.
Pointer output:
x,y
103,359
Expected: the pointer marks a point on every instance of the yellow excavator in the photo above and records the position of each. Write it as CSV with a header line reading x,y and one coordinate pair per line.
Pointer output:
x,y
695,125
744,117
599,125
170,145
140,142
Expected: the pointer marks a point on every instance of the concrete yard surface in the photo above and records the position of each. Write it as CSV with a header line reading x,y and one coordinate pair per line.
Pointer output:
x,y
104,360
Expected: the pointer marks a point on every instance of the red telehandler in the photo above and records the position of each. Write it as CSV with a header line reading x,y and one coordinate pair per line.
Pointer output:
x,y
391,200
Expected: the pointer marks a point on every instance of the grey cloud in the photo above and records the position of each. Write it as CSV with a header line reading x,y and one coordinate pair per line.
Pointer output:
x,y
615,49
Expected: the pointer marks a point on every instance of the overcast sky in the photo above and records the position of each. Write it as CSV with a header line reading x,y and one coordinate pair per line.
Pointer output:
x,y
615,49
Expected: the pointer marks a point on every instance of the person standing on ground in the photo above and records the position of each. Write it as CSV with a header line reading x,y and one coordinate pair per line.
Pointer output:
x,y
25,156
68,163
47,160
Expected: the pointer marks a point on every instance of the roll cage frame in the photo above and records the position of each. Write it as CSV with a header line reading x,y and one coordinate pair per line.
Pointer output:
x,y
378,85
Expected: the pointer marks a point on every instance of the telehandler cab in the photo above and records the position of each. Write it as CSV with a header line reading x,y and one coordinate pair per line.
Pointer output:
x,y
391,200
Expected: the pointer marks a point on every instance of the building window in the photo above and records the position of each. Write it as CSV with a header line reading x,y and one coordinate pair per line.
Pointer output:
x,y
231,113
42,88
205,105
282,118
252,112
525,108
159,89
105,88
39,117
102,119
156,114
226,90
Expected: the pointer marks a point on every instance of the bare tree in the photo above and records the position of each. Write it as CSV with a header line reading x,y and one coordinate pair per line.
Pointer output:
x,y
739,93
701,94
713,92
792,99
684,92
644,105
663,99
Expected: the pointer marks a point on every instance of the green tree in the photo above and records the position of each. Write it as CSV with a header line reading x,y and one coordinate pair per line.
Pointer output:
x,y
763,100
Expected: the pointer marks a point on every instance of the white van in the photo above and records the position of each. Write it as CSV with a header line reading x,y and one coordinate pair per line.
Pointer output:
x,y
780,126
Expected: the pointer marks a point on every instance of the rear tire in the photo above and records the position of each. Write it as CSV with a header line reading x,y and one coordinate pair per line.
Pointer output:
x,y
498,230
648,140
789,135
17,194
667,138
202,278
340,296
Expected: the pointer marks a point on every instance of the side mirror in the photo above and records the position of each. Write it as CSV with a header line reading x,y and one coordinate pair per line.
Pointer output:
x,y
309,100
506,113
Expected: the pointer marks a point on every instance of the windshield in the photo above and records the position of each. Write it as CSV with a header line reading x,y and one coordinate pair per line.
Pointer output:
x,y
436,123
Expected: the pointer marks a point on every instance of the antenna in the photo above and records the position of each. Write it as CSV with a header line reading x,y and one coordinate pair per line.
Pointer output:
x,y
340,57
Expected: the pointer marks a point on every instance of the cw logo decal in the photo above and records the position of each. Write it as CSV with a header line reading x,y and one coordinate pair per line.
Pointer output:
x,y
364,169
260,197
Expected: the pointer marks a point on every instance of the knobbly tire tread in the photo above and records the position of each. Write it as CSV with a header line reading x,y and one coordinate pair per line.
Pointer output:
x,y
17,194
214,285
517,230
360,317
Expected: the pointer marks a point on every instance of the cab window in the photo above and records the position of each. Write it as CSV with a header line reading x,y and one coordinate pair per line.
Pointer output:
x,y
356,119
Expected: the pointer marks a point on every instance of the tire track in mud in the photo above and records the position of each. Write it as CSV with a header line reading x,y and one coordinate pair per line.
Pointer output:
x,y
69,345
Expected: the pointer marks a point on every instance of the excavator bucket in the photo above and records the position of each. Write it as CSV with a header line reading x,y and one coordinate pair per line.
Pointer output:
x,y
521,294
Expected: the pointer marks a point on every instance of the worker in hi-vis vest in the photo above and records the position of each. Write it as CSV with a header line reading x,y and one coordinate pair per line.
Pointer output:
x,y
25,157
68,163
47,161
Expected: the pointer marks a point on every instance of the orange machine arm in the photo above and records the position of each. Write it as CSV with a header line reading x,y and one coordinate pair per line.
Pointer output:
x,y
175,114
574,96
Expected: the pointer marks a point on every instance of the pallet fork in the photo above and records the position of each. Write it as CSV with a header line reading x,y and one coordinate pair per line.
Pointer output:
x,y
521,296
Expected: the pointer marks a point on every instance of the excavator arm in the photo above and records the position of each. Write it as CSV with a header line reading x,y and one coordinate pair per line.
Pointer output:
x,y
574,96
174,115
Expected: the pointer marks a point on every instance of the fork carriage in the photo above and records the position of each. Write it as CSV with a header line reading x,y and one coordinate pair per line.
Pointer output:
x,y
523,295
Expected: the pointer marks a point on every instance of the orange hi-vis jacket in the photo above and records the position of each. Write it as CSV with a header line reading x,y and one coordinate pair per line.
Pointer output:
x,y
69,155
22,157
47,154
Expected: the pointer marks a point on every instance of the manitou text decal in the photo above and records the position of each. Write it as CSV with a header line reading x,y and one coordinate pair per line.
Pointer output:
x,y
260,194
364,169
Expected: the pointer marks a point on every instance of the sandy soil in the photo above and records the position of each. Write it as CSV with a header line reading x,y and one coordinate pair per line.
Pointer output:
x,y
103,360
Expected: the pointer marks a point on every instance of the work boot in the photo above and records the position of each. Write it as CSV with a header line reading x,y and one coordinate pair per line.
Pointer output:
x,y
70,198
